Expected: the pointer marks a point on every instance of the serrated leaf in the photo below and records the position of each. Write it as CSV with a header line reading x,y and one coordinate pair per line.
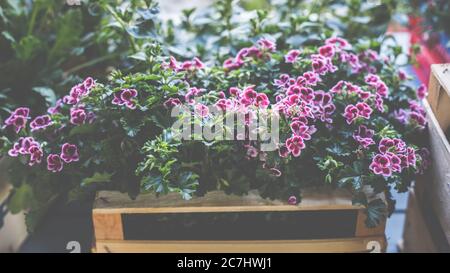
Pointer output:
x,y
376,212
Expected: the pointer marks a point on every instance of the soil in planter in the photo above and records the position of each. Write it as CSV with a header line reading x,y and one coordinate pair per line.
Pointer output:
x,y
241,225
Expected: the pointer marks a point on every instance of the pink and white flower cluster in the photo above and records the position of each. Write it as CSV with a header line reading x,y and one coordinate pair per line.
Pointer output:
x,y
261,50
393,157
193,65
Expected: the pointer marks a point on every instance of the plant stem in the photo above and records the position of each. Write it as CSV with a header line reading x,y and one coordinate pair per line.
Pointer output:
x,y
91,63
33,19
124,26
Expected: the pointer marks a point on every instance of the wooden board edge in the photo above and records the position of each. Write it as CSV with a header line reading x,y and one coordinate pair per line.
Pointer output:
x,y
434,125
275,208
344,245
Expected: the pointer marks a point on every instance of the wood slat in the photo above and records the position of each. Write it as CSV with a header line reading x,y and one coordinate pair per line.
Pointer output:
x,y
346,245
438,187
416,235
217,201
108,226
439,94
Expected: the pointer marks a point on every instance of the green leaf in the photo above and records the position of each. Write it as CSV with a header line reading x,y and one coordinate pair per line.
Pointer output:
x,y
68,35
27,48
376,212
8,36
97,178
82,129
47,93
22,199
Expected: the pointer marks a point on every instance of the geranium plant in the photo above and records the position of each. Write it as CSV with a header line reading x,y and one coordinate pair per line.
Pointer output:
x,y
347,118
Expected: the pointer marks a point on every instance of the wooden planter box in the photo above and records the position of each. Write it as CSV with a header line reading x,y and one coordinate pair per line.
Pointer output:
x,y
325,221
432,191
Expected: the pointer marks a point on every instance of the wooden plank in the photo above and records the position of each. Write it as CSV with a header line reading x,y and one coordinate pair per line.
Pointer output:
x,y
438,188
108,226
217,201
363,231
346,245
439,94
416,235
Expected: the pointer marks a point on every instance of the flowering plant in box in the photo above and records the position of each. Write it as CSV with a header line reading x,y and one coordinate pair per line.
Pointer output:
x,y
347,118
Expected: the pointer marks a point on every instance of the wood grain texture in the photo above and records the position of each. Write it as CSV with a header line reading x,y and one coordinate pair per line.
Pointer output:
x,y
438,187
108,226
416,235
217,201
346,245
439,94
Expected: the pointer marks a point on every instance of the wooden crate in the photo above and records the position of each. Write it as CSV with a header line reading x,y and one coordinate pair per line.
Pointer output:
x,y
437,188
416,234
325,221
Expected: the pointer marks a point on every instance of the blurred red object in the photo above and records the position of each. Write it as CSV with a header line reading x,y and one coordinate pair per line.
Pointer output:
x,y
431,50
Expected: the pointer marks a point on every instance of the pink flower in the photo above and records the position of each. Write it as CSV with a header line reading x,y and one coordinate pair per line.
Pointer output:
x,y
18,119
201,110
198,63
224,104
422,92
234,91
311,78
394,145
324,107
74,94
372,79
55,109
40,122
327,51
291,56
125,97
364,110
364,136
69,153
89,83
379,103
27,146
351,113
172,102
300,129
266,44
77,116
292,200
54,163
361,109
382,89
295,145
338,42
322,65
191,94
381,165
36,154
262,100
402,75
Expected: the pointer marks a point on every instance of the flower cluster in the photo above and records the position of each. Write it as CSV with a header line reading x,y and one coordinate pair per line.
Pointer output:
x,y
18,119
27,146
393,156
125,97
257,51
193,65
333,101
